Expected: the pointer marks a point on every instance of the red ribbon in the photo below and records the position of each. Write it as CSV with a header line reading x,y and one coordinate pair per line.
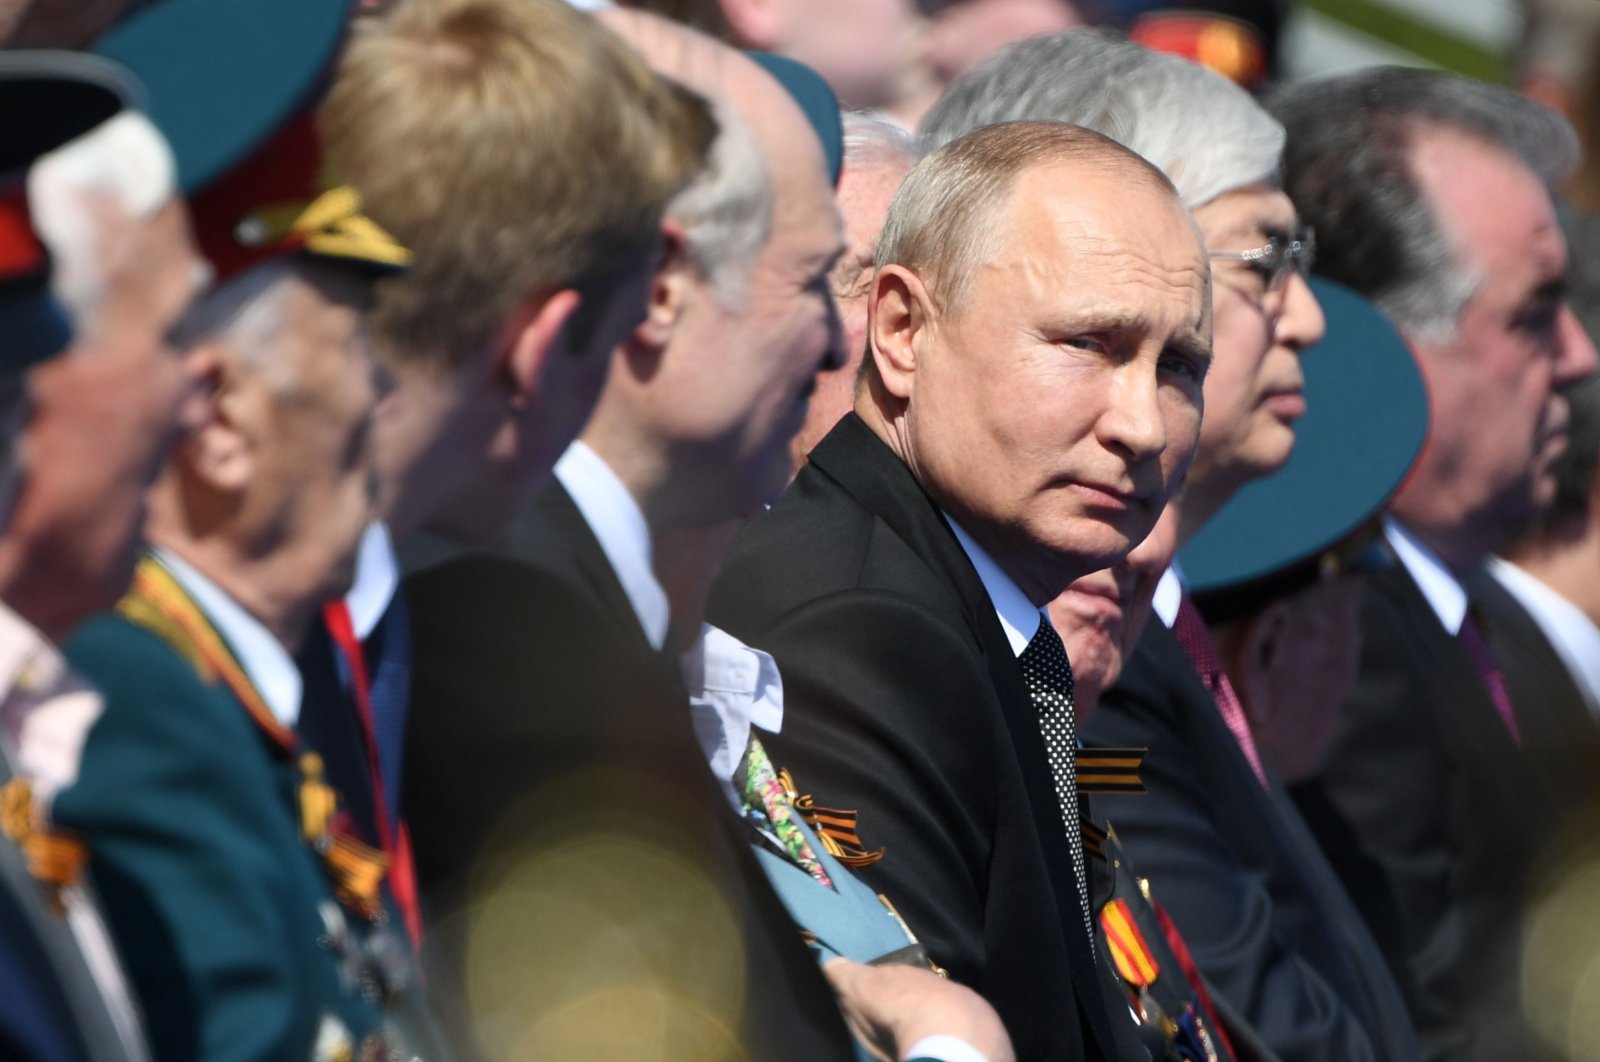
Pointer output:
x,y
396,843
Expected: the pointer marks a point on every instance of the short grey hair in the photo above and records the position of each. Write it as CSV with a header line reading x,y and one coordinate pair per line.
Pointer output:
x,y
246,313
726,211
1203,131
941,222
873,140
1348,169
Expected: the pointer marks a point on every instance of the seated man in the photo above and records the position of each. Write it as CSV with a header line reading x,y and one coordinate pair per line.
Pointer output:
x,y
1022,420
65,995
249,922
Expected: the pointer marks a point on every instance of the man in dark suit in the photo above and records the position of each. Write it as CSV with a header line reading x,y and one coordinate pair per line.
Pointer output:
x,y
666,461
1431,195
1020,422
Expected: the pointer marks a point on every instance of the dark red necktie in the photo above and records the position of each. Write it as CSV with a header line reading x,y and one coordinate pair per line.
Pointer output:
x,y
396,839
1190,629
1494,680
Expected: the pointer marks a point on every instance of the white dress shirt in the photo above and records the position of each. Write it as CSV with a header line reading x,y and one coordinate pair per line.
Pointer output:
x,y
266,662
1572,634
1438,584
618,523
1019,617
732,689
1168,597
376,580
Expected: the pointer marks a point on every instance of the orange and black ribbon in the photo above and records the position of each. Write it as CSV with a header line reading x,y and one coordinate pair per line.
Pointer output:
x,y
55,857
158,603
835,827
1110,770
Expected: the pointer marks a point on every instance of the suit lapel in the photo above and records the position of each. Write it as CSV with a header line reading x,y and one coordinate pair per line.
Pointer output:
x,y
1558,732
865,468
552,534
1472,728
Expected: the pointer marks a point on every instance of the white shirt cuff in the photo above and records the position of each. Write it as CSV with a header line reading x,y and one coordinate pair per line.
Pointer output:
x,y
945,1049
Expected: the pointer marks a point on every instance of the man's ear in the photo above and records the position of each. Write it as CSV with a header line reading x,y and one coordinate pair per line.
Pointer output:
x,y
220,448
535,336
1260,646
898,314
670,281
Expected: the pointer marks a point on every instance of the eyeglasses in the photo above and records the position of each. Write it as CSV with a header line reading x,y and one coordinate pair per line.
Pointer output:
x,y
1282,255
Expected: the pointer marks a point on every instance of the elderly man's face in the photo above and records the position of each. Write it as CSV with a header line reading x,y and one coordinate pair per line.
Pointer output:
x,y
306,414
1255,391
865,192
1057,409
106,415
1499,418
734,414
1101,616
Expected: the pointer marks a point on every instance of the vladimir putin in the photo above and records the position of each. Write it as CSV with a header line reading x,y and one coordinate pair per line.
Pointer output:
x,y
1039,333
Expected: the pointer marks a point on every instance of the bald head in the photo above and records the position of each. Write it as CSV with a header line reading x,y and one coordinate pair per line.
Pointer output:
x,y
720,73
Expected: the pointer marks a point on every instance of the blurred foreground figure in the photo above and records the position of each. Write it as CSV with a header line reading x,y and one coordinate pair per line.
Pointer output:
x,y
63,988
877,156
666,463
1449,776
1022,422
247,921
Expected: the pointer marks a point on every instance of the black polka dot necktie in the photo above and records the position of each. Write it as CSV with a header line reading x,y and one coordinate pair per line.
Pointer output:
x,y
1049,677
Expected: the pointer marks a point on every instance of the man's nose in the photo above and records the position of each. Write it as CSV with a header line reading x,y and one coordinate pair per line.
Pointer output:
x,y
1576,360
1300,322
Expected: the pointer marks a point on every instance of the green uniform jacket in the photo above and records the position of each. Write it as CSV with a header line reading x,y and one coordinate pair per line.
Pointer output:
x,y
218,907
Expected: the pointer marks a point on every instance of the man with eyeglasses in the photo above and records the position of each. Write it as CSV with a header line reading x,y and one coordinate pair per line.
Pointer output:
x,y
1219,842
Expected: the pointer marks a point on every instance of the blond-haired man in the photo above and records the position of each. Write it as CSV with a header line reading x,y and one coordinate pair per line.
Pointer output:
x,y
525,155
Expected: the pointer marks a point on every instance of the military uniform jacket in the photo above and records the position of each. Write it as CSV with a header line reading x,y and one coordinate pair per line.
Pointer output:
x,y
62,991
1264,917
905,702
225,918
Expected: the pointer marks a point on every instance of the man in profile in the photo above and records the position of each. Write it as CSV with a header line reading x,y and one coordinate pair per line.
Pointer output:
x,y
1431,195
1022,421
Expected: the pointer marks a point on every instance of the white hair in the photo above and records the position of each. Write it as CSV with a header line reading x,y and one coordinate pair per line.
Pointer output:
x,y
873,140
726,211
245,313
1203,131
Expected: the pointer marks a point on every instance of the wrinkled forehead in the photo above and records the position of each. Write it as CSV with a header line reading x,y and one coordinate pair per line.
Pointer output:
x,y
1107,239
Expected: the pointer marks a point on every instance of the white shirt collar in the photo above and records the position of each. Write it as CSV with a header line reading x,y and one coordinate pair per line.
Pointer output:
x,y
377,578
619,525
1573,635
1169,593
266,662
1019,617
732,688
1438,584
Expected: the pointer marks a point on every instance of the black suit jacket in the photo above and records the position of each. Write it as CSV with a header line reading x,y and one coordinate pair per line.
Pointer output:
x,y
903,699
1264,916
1437,820
542,728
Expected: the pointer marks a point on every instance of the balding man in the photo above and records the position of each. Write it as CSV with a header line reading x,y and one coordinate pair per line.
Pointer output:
x,y
1024,418
877,156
